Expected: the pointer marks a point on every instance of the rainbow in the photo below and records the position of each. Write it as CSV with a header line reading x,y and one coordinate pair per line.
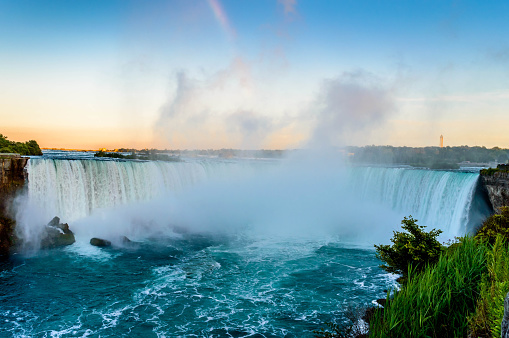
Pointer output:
x,y
222,18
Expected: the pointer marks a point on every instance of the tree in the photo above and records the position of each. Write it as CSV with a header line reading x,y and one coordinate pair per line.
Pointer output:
x,y
415,247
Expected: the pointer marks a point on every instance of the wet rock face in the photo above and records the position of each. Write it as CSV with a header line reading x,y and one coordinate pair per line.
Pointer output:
x,y
497,186
12,181
57,234
7,238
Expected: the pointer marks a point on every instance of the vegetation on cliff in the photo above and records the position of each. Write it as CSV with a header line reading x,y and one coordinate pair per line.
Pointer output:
x,y
501,168
27,148
413,249
462,294
494,226
437,301
455,291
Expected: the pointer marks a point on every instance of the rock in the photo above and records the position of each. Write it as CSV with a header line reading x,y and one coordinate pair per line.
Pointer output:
x,y
12,182
497,186
126,243
370,313
54,222
56,234
7,237
505,319
382,301
100,242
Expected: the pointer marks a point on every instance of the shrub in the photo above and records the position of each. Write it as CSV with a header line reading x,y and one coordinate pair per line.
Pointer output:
x,y
28,148
495,225
416,248
436,302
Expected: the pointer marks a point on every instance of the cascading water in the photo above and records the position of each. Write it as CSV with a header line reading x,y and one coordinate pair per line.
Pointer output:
x,y
439,199
264,248
73,189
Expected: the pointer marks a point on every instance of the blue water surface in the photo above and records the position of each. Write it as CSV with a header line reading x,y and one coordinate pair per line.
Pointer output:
x,y
189,285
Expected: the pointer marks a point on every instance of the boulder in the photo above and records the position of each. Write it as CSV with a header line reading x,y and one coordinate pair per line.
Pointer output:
x,y
125,243
56,234
100,242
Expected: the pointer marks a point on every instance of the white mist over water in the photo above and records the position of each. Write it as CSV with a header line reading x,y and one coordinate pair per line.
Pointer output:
x,y
298,197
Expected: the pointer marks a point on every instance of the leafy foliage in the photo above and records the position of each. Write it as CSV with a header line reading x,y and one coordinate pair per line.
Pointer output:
x,y
501,168
28,148
461,295
435,302
495,225
415,248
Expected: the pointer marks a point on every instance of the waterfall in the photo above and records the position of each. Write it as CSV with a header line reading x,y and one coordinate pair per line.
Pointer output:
x,y
73,189
439,199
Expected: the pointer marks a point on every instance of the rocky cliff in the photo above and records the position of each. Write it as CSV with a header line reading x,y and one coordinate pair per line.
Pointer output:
x,y
12,181
497,186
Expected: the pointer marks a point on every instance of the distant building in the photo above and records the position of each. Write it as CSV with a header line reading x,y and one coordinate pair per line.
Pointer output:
x,y
441,141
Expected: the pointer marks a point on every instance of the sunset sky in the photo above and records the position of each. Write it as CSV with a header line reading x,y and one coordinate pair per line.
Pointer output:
x,y
251,74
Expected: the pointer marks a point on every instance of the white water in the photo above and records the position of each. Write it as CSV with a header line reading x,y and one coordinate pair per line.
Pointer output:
x,y
439,199
73,189
305,198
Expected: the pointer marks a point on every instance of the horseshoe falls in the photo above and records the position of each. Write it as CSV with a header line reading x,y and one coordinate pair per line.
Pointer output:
x,y
222,248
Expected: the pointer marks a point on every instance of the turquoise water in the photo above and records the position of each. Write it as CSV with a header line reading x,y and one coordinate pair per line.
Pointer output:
x,y
196,285
223,248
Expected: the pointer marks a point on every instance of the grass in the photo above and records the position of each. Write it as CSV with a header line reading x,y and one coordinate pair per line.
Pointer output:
x,y
487,319
435,303
462,294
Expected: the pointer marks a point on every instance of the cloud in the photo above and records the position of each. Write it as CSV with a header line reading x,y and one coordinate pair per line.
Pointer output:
x,y
349,107
500,54
461,98
213,111
253,127
289,6
228,109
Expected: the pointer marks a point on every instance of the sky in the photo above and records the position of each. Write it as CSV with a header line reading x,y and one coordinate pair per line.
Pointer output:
x,y
252,74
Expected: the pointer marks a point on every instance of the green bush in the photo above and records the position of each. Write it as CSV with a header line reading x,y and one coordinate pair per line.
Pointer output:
x,y
436,302
416,248
495,225
28,148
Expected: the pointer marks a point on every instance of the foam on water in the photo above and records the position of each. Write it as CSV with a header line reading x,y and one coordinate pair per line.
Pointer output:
x,y
134,198
223,248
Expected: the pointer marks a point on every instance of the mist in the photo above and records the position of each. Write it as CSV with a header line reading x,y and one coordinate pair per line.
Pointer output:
x,y
306,195
293,198
348,108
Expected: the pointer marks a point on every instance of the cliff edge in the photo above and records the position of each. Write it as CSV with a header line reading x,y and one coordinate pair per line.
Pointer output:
x,y
496,183
12,181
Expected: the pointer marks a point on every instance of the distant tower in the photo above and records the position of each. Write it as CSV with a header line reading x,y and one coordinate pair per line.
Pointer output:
x,y
441,141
